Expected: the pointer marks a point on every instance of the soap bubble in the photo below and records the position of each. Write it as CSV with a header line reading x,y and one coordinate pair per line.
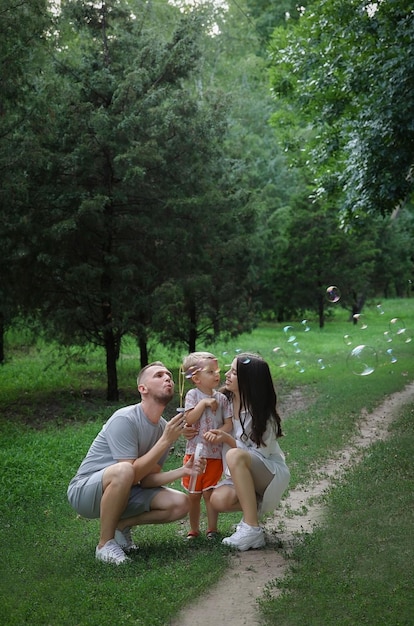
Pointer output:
x,y
358,317
245,359
392,357
380,309
396,325
305,324
229,356
321,364
297,349
362,360
398,328
404,335
279,357
289,332
387,336
193,369
348,340
299,367
333,294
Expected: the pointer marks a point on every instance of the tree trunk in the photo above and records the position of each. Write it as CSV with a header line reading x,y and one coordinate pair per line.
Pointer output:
x,y
112,392
357,307
1,338
321,311
143,350
192,336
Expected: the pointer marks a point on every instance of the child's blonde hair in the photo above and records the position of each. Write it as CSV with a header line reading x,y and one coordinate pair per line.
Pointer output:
x,y
194,361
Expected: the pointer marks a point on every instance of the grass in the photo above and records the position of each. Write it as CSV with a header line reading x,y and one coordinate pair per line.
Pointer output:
x,y
358,568
53,403
50,575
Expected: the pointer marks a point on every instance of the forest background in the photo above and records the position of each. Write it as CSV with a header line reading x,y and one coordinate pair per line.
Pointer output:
x,y
177,173
172,177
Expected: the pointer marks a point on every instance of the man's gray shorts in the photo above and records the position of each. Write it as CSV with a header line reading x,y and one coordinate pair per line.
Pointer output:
x,y
85,494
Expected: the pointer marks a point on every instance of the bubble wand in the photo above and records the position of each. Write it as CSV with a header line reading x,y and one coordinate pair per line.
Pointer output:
x,y
199,451
181,385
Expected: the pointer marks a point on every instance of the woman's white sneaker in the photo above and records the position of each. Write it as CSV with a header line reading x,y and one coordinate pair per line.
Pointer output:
x,y
246,537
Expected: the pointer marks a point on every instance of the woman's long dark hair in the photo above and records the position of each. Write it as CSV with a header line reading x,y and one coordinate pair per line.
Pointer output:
x,y
257,395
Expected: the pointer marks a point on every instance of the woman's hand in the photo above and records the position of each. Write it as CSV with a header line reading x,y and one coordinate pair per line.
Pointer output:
x,y
216,435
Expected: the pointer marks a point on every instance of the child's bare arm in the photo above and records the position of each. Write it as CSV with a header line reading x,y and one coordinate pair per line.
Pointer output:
x,y
227,426
193,415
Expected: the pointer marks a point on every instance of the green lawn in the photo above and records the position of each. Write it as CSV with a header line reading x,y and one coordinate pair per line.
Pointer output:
x,y
53,403
358,568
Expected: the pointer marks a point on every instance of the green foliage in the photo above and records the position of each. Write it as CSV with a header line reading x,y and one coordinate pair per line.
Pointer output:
x,y
130,172
344,70
268,15
144,191
23,49
315,254
358,568
395,262
50,574
321,67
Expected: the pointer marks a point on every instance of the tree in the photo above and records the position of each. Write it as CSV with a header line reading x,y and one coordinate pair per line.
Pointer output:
x,y
344,69
261,178
316,255
395,264
23,43
211,293
127,170
268,15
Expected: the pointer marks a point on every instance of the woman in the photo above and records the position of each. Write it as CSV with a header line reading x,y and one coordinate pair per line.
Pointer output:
x,y
255,467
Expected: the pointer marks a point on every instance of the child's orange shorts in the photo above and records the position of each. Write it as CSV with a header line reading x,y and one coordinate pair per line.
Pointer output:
x,y
210,478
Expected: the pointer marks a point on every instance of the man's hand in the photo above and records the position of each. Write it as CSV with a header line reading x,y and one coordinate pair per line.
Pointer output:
x,y
174,428
189,431
192,468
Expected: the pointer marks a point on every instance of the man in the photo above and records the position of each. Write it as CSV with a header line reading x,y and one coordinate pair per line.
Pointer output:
x,y
120,480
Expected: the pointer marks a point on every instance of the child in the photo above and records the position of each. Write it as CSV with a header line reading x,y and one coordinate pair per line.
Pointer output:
x,y
205,409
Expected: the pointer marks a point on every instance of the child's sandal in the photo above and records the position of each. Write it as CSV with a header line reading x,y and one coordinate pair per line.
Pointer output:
x,y
212,534
192,535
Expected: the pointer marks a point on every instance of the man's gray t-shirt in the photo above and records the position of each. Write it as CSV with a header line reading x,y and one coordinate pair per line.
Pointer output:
x,y
128,434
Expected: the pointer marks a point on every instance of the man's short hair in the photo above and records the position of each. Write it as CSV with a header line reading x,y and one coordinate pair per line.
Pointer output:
x,y
141,375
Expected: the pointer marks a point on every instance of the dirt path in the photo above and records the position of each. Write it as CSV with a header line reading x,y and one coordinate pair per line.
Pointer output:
x,y
233,599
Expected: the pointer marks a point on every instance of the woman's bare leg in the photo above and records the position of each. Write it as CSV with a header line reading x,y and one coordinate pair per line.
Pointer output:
x,y
224,499
239,463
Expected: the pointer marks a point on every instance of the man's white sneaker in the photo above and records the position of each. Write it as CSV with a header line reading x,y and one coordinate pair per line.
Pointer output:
x,y
124,539
111,552
245,538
